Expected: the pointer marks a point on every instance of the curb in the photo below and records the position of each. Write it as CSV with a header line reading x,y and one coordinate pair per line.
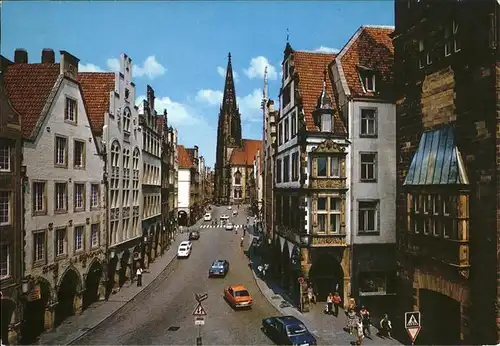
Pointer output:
x,y
124,305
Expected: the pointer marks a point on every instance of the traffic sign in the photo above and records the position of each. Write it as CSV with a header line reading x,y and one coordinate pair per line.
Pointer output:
x,y
199,321
201,297
412,323
199,311
300,280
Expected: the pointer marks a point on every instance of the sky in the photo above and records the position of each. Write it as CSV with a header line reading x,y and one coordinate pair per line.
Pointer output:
x,y
180,48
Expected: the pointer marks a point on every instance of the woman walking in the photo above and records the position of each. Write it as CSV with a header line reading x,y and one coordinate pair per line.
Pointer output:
x,y
359,331
329,304
352,321
336,302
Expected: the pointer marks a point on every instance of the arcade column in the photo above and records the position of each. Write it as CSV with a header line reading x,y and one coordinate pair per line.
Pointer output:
x,y
77,302
50,316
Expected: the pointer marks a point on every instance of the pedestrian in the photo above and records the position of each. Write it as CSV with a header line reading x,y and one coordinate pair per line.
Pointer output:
x,y
360,334
310,295
139,276
329,303
351,321
336,303
365,320
385,327
352,303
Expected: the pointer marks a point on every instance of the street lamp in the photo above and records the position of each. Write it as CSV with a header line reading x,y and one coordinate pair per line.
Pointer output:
x,y
25,285
304,239
112,253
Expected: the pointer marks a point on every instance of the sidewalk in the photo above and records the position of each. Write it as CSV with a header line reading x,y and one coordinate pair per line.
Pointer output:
x,y
75,327
328,329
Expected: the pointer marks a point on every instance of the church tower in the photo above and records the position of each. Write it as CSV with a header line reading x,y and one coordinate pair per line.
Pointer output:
x,y
228,138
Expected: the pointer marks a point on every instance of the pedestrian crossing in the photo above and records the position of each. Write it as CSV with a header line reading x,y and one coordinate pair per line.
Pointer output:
x,y
220,226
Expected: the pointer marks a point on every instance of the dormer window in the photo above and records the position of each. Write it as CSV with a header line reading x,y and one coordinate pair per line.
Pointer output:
x,y
326,123
127,94
367,78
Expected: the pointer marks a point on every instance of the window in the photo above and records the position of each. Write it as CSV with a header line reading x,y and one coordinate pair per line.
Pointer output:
x,y
39,198
456,42
448,29
126,116
286,96
294,123
287,129
435,227
374,283
286,169
368,122
367,216
39,246
447,228
435,204
416,205
79,196
328,210
4,208
326,123
426,226
4,261
426,203
446,205
322,166
61,194
79,238
5,158
61,242
280,133
79,154
334,166
368,167
285,70
94,196
278,171
127,93
94,235
295,166
61,151
70,113
237,178
368,80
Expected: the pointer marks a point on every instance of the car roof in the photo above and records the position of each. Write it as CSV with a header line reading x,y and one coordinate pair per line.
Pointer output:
x,y
238,288
289,320
219,261
184,243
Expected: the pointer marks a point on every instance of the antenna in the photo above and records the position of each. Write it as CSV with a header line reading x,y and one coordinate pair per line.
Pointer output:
x,y
287,35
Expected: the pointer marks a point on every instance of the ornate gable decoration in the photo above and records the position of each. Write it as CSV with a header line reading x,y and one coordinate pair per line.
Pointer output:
x,y
329,146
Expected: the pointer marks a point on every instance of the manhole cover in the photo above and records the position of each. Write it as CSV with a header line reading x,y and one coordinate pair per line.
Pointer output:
x,y
173,329
86,329
275,297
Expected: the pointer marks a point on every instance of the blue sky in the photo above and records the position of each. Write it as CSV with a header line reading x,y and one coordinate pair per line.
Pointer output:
x,y
180,48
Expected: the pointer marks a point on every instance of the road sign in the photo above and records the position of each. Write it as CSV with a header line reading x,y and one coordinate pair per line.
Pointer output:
x,y
300,280
199,321
201,297
412,323
199,311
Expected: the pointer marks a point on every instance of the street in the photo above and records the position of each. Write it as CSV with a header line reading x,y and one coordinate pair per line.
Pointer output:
x,y
163,315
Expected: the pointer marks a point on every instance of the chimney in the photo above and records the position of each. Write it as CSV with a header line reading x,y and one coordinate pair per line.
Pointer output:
x,y
151,97
196,151
69,65
48,56
20,56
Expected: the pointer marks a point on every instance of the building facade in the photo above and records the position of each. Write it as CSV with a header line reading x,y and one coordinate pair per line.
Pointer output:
x,y
64,221
362,75
114,120
187,188
11,218
447,87
151,178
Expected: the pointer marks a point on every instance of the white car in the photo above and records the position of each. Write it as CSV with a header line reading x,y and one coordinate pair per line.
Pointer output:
x,y
235,212
184,249
207,217
224,217
229,207
229,226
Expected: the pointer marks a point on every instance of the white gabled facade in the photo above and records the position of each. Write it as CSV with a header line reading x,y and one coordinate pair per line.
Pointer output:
x,y
184,188
64,219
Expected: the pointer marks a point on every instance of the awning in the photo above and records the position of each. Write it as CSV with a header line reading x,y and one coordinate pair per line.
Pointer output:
x,y
437,160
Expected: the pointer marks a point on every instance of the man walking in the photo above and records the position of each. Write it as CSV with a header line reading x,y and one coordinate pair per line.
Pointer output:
x,y
336,303
365,320
139,276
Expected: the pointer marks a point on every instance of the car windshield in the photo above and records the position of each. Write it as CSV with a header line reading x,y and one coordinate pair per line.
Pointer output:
x,y
182,249
218,265
243,293
296,329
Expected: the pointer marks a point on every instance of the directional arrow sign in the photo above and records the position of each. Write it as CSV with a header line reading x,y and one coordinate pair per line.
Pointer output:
x,y
201,297
199,311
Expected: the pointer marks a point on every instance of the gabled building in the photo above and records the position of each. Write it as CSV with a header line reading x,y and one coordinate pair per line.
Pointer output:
x,y
312,179
447,75
11,218
115,124
242,180
64,220
187,186
362,74
195,208
151,177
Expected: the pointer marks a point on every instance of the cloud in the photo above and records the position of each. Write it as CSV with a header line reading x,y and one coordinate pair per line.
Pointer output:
x,y
324,49
257,67
212,97
222,72
89,68
250,106
151,68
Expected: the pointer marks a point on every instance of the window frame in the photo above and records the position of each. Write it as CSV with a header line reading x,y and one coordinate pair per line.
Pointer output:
x,y
75,197
97,244
75,238
6,249
295,166
3,146
64,252
364,119
44,198
83,154
365,163
42,261
286,130
67,103
326,122
317,160
286,168
279,169
98,204
56,151
327,212
56,210
294,126
376,217
9,208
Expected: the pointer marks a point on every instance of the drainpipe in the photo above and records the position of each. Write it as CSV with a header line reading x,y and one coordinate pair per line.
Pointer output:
x,y
106,217
351,185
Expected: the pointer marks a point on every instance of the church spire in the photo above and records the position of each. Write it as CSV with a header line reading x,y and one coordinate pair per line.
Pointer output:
x,y
229,98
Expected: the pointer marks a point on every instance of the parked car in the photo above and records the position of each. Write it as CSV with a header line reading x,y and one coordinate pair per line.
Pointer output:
x,y
238,296
229,226
287,330
207,217
235,212
218,268
224,217
229,207
194,235
184,250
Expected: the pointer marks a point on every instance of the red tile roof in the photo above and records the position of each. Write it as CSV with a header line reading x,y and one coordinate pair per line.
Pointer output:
x,y
310,67
96,87
245,156
183,157
369,47
28,87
